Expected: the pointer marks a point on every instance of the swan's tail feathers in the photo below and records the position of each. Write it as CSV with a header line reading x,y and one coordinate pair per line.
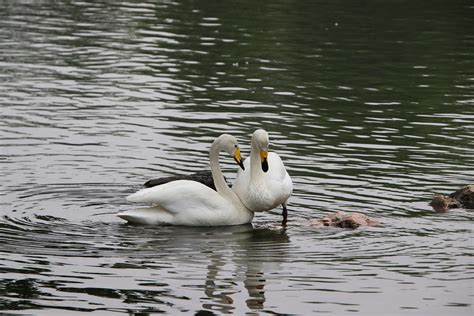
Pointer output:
x,y
147,216
141,196
132,197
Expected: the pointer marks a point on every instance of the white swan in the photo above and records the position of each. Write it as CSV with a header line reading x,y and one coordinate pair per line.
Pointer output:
x,y
265,183
185,202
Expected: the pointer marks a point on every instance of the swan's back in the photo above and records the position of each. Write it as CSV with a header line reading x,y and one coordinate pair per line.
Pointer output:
x,y
276,168
177,194
279,181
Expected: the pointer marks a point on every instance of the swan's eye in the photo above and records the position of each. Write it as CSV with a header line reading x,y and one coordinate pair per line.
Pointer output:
x,y
236,146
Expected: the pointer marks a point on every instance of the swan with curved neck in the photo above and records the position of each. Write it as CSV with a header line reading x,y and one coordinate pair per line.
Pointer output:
x,y
265,183
185,202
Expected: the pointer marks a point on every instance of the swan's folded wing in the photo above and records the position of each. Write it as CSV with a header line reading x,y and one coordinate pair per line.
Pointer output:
x,y
179,195
278,180
276,168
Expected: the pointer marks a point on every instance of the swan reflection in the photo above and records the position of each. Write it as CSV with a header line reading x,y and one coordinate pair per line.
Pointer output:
x,y
215,269
243,274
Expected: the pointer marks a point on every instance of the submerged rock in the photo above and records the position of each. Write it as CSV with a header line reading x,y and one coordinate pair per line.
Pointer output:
x,y
442,203
345,220
462,198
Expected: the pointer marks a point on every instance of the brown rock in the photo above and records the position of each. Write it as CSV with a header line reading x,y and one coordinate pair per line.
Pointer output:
x,y
442,203
462,198
465,196
344,220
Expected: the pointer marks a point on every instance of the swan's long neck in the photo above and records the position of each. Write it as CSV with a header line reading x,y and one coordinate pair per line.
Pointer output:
x,y
221,185
255,162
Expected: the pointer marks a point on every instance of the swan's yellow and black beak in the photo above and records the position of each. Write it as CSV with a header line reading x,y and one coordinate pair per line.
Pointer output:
x,y
264,159
238,158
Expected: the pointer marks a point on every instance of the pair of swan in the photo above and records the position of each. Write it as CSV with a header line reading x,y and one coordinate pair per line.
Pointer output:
x,y
261,184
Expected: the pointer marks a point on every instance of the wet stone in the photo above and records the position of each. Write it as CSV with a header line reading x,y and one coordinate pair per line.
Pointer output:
x,y
344,220
462,198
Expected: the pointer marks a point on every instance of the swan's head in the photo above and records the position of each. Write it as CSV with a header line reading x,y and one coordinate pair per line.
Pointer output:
x,y
229,144
260,139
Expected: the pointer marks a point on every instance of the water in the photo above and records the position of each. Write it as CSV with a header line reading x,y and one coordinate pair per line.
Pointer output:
x,y
369,103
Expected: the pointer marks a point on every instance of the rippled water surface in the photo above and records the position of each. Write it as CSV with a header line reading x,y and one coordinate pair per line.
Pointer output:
x,y
369,103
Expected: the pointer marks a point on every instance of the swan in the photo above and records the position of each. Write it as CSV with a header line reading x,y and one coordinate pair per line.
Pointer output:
x,y
190,203
263,183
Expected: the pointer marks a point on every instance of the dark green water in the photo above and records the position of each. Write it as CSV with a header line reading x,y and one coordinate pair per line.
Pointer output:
x,y
369,103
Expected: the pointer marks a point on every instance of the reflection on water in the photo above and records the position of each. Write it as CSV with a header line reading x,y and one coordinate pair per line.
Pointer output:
x,y
369,105
216,266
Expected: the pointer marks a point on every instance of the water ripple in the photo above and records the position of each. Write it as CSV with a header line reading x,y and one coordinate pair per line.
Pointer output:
x,y
373,116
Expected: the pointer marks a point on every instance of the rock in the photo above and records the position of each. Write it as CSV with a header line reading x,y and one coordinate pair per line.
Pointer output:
x,y
344,220
462,198
442,203
465,196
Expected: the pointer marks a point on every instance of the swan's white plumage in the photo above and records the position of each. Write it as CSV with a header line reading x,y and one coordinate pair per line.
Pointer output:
x,y
258,190
191,203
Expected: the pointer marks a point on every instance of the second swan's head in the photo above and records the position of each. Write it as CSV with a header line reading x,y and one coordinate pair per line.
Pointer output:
x,y
261,140
229,144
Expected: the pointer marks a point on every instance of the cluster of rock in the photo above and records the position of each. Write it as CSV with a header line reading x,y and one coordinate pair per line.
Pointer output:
x,y
462,198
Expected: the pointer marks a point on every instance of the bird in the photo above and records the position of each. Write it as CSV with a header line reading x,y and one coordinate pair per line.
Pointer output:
x,y
191,203
263,183
259,188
